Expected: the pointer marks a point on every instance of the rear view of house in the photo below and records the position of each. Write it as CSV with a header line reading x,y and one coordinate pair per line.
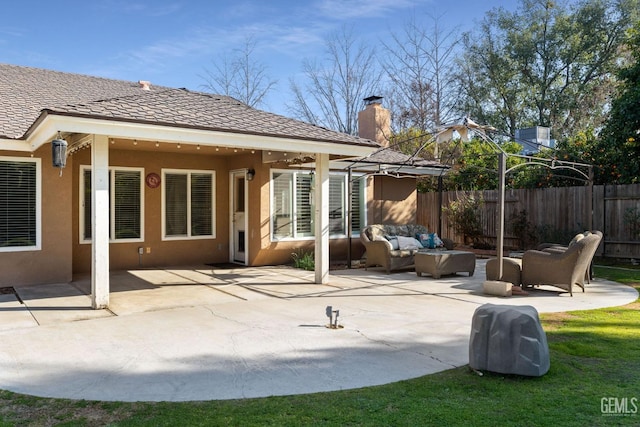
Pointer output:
x,y
157,176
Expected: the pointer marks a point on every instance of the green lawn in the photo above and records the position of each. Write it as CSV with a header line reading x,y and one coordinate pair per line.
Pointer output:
x,y
595,355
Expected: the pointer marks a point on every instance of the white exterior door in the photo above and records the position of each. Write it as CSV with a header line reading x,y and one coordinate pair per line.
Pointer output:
x,y
239,206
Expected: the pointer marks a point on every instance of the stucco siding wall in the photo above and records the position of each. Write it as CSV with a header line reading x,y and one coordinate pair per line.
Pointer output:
x,y
52,263
62,255
394,201
156,251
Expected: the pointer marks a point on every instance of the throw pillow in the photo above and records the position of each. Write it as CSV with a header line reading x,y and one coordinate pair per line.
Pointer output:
x,y
406,243
424,240
430,240
437,242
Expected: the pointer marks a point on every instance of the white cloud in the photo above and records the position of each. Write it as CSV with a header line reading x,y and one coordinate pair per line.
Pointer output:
x,y
353,9
155,9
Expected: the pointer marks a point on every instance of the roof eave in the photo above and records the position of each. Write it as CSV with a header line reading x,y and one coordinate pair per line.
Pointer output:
x,y
50,123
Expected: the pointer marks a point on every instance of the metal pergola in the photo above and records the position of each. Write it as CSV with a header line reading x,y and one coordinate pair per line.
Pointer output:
x,y
389,162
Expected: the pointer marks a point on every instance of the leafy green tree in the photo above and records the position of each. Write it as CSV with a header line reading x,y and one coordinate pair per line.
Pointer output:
x,y
545,64
464,214
489,78
618,150
413,142
474,166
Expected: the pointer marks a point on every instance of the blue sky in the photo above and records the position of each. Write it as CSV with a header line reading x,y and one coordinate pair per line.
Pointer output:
x,y
172,42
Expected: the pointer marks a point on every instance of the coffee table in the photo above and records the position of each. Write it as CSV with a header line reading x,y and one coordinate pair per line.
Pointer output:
x,y
438,263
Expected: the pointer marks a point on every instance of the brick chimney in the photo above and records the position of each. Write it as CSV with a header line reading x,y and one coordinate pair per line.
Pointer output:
x,y
374,122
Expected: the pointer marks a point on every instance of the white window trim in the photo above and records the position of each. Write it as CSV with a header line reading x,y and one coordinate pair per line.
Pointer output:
x,y
38,245
354,233
112,222
189,172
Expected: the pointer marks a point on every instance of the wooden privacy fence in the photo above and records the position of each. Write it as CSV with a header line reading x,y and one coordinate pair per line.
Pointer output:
x,y
552,213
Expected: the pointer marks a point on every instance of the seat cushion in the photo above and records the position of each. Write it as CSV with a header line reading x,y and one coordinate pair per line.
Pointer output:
x,y
403,253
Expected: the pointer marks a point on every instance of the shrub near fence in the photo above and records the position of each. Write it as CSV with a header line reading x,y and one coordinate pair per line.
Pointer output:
x,y
553,214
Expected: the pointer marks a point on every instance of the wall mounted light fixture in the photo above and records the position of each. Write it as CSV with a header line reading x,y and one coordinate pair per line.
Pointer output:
x,y
251,173
59,153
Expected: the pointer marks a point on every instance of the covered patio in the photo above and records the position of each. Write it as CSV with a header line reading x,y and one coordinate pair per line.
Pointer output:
x,y
208,332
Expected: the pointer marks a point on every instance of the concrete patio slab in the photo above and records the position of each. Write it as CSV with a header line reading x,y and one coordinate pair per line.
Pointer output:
x,y
201,333
14,314
59,302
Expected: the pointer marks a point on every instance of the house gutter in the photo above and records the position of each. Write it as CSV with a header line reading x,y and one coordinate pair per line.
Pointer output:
x,y
14,145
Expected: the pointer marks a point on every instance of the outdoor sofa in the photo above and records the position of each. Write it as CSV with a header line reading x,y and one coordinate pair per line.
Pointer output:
x,y
393,246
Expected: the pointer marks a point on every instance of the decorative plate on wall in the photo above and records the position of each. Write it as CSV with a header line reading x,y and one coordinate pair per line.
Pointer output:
x,y
153,180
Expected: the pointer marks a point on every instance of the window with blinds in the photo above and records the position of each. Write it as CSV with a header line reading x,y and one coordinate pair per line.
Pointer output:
x,y
304,205
337,200
125,204
19,204
357,204
201,204
175,204
281,204
127,218
188,210
293,206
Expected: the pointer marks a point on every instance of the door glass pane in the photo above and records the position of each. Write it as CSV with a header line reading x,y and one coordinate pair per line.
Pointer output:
x,y
86,209
239,201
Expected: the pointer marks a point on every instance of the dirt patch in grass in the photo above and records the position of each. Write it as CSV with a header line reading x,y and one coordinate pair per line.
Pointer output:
x,y
633,305
554,321
31,411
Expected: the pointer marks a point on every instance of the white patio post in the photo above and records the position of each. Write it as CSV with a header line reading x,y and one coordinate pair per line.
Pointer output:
x,y
322,219
100,222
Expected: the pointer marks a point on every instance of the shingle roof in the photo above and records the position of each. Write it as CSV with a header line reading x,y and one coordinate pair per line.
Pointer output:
x,y
26,92
391,156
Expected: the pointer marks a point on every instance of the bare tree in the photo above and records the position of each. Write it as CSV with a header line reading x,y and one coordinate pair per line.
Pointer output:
x,y
241,76
333,92
419,66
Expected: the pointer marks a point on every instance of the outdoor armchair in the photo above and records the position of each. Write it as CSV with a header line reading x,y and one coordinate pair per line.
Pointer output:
x,y
562,269
557,248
